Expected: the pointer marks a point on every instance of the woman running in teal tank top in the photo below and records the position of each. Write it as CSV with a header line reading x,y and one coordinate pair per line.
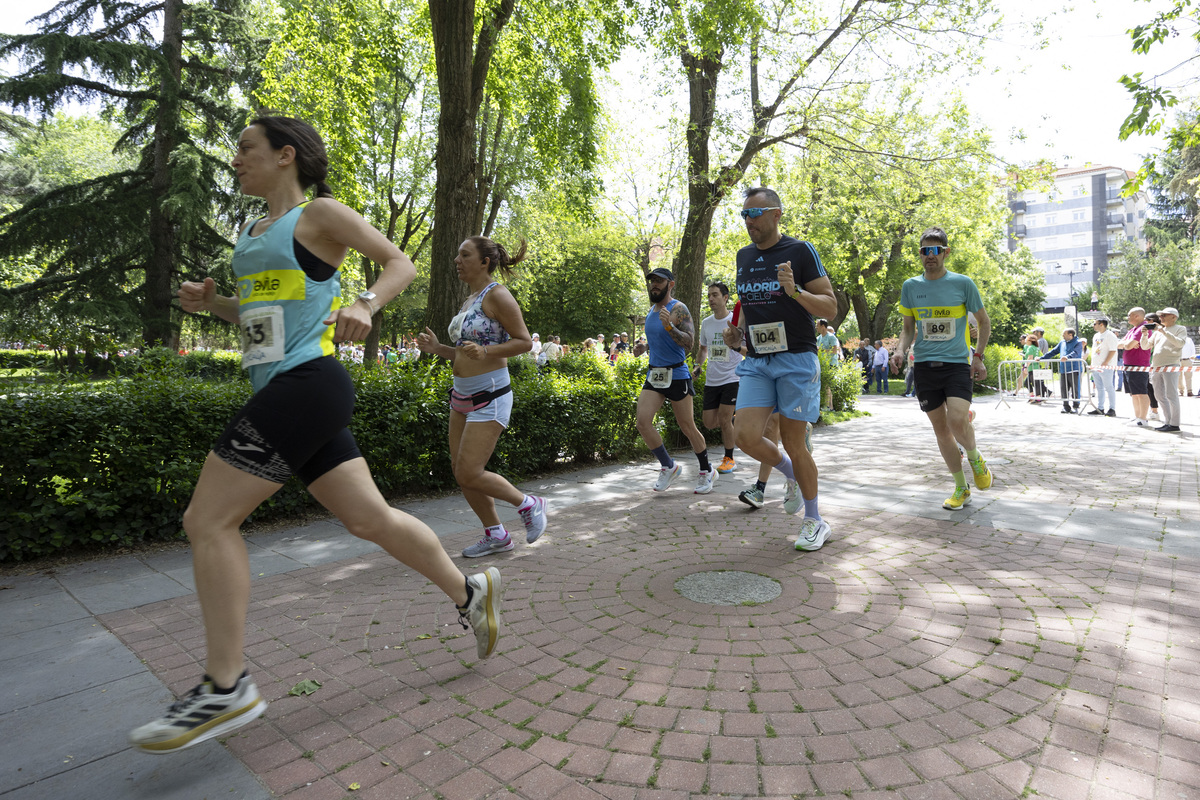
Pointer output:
x,y
290,316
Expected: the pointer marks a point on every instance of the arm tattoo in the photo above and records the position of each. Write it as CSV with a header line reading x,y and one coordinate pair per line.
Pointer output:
x,y
681,326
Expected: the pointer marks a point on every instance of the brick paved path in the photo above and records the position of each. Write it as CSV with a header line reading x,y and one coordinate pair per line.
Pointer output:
x,y
920,654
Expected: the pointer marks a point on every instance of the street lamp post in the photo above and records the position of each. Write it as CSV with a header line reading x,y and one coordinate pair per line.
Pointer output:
x,y
1070,270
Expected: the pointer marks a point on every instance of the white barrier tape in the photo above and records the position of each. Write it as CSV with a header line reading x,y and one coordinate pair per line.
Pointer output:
x,y
1122,368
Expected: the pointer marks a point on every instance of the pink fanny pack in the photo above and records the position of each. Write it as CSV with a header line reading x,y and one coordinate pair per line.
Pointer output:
x,y
466,403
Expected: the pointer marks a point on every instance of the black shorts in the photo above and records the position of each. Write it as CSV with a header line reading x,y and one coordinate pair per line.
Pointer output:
x,y
937,380
679,389
295,425
724,394
1137,382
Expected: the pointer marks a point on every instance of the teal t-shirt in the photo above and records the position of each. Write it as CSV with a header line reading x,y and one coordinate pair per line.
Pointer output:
x,y
939,308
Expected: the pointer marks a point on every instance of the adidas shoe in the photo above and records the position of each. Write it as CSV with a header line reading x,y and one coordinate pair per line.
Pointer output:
x,y
960,498
534,518
813,533
482,610
201,715
705,481
667,476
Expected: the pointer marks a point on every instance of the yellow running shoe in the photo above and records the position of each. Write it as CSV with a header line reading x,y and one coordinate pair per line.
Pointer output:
x,y
727,465
960,498
983,475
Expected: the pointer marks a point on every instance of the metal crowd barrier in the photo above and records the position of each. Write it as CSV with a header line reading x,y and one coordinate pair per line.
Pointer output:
x,y
1044,382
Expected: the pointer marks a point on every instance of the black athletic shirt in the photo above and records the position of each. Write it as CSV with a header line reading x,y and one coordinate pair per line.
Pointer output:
x,y
762,298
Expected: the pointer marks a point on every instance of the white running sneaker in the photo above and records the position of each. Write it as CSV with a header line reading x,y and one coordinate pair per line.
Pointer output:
x,y
813,533
201,715
667,476
791,497
704,483
483,610
534,518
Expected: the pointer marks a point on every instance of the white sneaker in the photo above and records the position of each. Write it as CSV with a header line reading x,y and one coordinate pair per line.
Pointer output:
x,y
667,476
201,715
1141,423
791,497
704,484
482,611
813,533
1154,416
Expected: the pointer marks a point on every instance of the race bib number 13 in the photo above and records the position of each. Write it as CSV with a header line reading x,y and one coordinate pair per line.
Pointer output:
x,y
262,335
937,330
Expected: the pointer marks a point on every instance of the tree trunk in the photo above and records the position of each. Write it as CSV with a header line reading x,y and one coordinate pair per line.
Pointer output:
x,y
160,272
704,194
461,72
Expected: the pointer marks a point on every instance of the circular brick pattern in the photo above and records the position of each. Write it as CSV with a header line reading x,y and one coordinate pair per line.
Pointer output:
x,y
728,588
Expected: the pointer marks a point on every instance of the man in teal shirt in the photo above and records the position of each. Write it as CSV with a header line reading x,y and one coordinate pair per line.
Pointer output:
x,y
934,306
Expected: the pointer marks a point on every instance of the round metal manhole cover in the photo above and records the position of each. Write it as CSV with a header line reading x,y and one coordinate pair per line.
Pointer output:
x,y
728,588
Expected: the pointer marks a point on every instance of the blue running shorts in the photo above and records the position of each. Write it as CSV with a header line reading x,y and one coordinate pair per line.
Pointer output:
x,y
789,381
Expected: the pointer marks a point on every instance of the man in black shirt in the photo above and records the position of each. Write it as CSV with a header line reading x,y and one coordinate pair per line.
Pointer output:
x,y
782,287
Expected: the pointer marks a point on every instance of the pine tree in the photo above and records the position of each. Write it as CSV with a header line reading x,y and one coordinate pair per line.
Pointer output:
x,y
115,247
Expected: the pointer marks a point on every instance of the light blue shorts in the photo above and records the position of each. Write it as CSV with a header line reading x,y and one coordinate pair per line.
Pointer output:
x,y
500,409
790,382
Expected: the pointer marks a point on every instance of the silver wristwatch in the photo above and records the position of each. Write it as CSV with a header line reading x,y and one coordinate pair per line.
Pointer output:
x,y
369,299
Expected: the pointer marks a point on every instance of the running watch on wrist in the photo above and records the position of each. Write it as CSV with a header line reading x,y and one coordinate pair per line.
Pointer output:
x,y
369,299
795,295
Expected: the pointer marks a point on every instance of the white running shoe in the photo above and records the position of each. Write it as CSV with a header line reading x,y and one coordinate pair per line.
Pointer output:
x,y
704,483
667,476
201,715
482,611
813,533
534,518
791,497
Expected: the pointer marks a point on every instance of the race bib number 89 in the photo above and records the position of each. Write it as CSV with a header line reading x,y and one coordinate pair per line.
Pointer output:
x,y
262,335
937,330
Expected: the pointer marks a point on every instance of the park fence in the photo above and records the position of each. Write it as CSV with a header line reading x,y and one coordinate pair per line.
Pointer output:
x,y
1047,381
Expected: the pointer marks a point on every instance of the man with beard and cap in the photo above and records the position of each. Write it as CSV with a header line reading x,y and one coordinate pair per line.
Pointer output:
x,y
783,288
670,333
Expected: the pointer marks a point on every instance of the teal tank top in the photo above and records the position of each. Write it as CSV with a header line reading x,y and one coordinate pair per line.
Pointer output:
x,y
281,310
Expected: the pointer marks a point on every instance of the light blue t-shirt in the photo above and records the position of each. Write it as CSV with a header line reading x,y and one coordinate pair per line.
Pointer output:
x,y
939,308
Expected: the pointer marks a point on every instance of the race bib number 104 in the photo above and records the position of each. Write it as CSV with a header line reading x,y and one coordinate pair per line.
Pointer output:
x,y
769,337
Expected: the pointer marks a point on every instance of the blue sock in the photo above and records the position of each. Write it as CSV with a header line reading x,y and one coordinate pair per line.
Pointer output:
x,y
785,466
663,456
810,508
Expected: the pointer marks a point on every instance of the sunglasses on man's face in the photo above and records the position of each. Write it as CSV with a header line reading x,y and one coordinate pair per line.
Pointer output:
x,y
755,213
935,250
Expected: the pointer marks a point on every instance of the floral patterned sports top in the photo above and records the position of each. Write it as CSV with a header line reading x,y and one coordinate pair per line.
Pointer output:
x,y
472,325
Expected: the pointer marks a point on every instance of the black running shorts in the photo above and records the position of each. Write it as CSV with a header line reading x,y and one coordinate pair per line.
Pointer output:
x,y
295,425
679,389
937,380
724,394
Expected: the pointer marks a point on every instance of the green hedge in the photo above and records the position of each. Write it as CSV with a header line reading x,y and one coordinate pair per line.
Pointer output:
x,y
114,464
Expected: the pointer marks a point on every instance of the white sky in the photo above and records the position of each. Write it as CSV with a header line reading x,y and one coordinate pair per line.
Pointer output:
x,y
1065,98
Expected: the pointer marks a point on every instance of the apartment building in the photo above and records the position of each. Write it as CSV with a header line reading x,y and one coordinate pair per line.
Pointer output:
x,y
1075,228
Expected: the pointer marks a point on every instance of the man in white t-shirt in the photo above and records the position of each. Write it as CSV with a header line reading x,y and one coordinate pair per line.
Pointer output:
x,y
721,380
1104,365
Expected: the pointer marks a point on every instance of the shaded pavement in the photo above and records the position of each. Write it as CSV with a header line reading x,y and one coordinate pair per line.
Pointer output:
x,y
1044,639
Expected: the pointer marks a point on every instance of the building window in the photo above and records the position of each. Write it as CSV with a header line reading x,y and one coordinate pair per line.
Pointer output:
x,y
1050,242
1031,220
1051,219
1078,216
1079,238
